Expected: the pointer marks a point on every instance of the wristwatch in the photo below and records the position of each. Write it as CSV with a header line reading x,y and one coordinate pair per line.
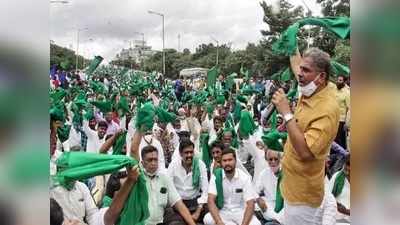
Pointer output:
x,y
287,117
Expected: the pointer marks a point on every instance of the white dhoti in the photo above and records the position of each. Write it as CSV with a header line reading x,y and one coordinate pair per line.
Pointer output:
x,y
230,218
301,215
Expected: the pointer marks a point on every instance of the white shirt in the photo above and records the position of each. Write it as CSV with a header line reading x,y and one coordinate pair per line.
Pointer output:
x,y
183,181
159,201
77,204
94,143
150,140
344,197
112,128
267,183
74,138
237,191
258,155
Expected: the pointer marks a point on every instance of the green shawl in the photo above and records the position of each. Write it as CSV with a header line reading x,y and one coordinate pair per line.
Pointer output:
x,y
196,172
72,166
220,191
119,144
206,156
278,195
339,184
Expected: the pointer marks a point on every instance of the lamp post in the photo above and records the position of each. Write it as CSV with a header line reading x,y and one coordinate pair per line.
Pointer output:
x,y
163,37
77,48
217,47
141,53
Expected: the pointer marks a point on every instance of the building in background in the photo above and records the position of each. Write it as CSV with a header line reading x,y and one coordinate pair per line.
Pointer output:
x,y
138,52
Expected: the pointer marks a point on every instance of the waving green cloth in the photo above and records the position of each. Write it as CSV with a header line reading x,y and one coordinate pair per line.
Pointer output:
x,y
230,81
220,191
206,155
63,132
123,105
57,95
212,79
287,43
196,172
97,87
145,117
339,69
74,166
164,116
339,184
271,137
103,106
278,195
119,144
57,112
246,124
94,64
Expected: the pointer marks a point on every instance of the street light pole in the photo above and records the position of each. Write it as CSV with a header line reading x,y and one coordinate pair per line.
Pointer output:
x,y
62,2
77,48
163,37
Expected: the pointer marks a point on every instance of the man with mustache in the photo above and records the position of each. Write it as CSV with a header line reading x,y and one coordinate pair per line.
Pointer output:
x,y
237,195
343,98
182,173
267,184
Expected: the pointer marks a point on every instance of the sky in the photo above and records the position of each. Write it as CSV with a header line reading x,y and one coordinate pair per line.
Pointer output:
x,y
112,24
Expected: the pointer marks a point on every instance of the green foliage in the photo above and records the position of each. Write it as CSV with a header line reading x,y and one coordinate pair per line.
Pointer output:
x,y
65,58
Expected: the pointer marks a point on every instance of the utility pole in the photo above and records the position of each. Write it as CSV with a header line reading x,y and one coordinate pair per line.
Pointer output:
x,y
163,38
179,42
217,48
77,48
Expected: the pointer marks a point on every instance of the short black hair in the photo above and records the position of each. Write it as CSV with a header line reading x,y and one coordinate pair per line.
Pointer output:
x,y
183,134
56,213
217,144
220,118
185,142
148,149
229,151
102,124
113,185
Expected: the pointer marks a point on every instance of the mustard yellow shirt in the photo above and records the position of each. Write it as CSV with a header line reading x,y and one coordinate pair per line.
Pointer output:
x,y
318,118
343,99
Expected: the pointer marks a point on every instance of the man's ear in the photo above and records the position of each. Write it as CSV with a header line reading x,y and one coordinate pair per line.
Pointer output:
x,y
323,77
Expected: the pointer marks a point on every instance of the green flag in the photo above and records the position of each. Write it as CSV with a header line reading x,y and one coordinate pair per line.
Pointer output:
x,y
212,79
287,43
94,64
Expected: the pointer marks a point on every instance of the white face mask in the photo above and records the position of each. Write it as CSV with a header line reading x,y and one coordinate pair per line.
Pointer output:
x,y
309,88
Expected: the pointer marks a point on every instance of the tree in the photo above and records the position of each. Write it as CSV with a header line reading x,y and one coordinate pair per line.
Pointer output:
x,y
61,56
276,24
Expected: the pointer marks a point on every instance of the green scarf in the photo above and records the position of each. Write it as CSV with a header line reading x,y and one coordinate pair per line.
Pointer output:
x,y
123,105
287,43
278,195
145,117
339,184
103,106
119,144
164,116
271,137
246,124
63,132
72,166
196,172
206,156
220,191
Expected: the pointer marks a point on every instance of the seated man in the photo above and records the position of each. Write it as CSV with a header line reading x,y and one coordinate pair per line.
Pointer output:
x,y
162,192
78,205
216,152
234,193
267,186
339,186
193,192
